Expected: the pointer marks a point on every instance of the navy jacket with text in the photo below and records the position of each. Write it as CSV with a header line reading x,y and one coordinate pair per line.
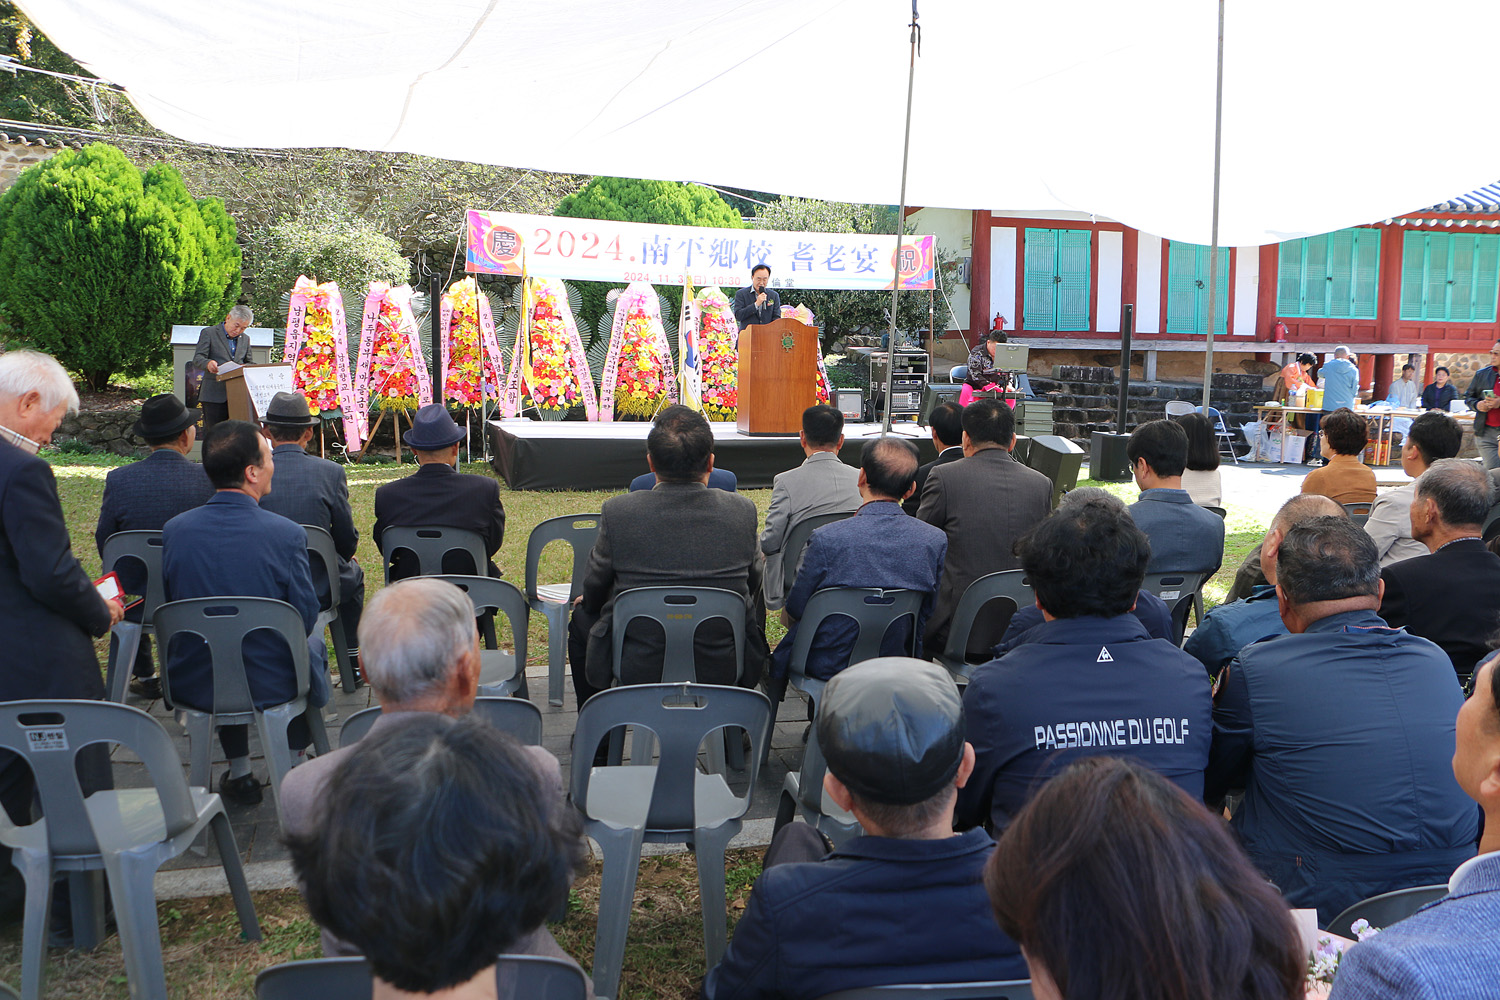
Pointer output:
x,y
1081,687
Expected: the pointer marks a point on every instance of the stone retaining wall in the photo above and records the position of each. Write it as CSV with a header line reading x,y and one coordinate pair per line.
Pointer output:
x,y
1084,399
105,430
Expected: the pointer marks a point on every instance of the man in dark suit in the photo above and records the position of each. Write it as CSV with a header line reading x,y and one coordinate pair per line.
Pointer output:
x,y
49,608
1185,538
438,495
229,546
947,426
315,491
679,534
219,345
755,304
878,547
1486,410
145,495
984,502
1451,596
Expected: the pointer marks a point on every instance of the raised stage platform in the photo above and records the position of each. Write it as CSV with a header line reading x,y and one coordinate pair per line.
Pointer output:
x,y
578,455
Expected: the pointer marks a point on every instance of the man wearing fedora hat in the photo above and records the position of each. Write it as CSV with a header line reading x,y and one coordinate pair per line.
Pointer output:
x,y
892,732
145,495
315,491
438,495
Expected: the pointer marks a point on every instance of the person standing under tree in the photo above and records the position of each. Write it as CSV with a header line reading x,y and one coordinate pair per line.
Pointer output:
x,y
218,345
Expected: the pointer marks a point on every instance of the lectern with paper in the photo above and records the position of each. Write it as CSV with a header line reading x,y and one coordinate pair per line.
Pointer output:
x,y
250,388
778,376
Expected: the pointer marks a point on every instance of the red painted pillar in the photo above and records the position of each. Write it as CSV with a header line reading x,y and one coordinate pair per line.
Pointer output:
x,y
1265,293
979,276
1384,374
1388,306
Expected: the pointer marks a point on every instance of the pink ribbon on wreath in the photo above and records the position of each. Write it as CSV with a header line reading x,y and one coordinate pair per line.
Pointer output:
x,y
492,368
643,292
356,426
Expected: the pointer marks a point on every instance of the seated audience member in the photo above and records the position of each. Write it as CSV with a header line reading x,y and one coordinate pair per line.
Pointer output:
x,y
1339,734
947,426
230,546
145,495
1345,478
901,904
438,495
1200,476
1117,884
1439,392
420,653
1450,948
1432,436
1404,393
1151,610
718,479
822,484
1185,538
434,850
1453,595
679,534
315,491
1091,681
984,503
878,547
1232,626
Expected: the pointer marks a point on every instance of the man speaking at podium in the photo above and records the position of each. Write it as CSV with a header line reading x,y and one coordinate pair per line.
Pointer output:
x,y
756,304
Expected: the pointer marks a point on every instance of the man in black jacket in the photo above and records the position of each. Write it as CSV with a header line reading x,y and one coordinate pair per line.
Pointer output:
x,y
1486,411
755,304
947,426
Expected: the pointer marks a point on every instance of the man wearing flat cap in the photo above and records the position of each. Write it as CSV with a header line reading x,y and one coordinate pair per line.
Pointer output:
x,y
315,491
901,904
438,495
145,495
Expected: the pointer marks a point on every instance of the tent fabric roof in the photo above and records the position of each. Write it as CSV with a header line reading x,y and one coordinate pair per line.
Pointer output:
x,y
1085,105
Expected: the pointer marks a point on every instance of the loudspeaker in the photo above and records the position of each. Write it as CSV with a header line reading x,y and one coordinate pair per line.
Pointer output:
x,y
1107,461
935,393
1058,459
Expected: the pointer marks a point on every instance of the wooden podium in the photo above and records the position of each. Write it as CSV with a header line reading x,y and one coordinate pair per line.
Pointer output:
x,y
778,376
250,387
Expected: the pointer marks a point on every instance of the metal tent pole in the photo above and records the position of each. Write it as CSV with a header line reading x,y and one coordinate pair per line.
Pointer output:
x,y
890,355
1213,258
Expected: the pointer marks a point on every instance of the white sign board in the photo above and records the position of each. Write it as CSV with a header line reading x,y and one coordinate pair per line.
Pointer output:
x,y
264,382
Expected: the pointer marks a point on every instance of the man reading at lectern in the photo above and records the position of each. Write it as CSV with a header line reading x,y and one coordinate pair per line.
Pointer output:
x,y
757,304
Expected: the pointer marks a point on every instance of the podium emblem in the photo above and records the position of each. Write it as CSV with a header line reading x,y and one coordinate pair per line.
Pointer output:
x,y
787,343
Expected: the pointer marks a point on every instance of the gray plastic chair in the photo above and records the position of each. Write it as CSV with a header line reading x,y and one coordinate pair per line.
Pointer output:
x,y
555,600
1181,592
127,832
223,623
1359,513
519,718
958,373
1386,909
679,611
671,801
145,548
517,977
501,674
1009,586
1217,510
874,611
796,541
1011,989
320,547
430,544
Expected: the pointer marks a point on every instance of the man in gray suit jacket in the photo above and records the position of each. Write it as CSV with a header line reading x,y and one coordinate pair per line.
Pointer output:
x,y
315,491
1185,538
218,345
984,502
820,485
680,533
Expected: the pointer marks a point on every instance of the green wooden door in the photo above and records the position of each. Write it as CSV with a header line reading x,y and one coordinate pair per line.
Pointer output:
x,y
1449,276
1057,279
1187,289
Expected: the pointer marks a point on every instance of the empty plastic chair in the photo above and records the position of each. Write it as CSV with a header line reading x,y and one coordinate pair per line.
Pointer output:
x,y
320,549
430,544
1013,989
796,541
144,549
1359,513
127,832
1179,408
1386,909
671,801
874,611
555,600
501,674
1181,592
519,718
223,623
958,373
517,977
969,644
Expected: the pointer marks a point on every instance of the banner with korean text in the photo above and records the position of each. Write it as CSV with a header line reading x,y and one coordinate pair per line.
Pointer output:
x,y
596,250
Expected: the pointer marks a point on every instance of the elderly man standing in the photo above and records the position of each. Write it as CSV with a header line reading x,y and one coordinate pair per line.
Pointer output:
x,y
1453,595
315,491
1481,395
219,345
1341,735
48,605
1341,389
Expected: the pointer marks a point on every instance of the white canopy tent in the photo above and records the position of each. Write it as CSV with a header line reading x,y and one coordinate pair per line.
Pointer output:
x,y
1334,115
